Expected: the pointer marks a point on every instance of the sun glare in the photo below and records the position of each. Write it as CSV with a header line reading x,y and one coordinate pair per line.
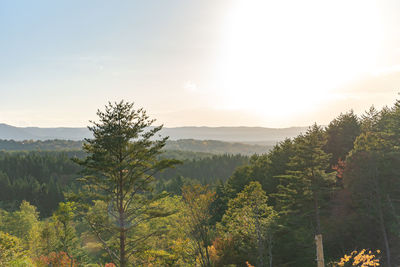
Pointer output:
x,y
284,57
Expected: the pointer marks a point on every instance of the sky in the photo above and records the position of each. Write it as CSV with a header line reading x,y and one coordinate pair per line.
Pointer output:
x,y
197,63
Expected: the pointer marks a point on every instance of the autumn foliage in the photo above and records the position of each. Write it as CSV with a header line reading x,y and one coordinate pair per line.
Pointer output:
x,y
361,258
59,259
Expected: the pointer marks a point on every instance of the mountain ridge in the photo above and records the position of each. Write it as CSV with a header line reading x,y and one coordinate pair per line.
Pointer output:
x,y
244,134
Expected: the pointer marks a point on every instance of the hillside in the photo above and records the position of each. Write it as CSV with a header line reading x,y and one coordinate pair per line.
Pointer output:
x,y
254,135
216,147
206,147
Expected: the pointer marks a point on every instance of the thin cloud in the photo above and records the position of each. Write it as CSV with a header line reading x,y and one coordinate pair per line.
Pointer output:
x,y
190,86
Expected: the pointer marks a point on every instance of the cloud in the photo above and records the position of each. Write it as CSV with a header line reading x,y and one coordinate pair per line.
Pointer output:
x,y
190,86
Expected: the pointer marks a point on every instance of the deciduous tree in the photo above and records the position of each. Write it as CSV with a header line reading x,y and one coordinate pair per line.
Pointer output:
x,y
198,200
251,220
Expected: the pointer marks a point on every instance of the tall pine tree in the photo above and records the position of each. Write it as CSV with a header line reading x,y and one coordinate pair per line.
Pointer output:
x,y
121,161
306,184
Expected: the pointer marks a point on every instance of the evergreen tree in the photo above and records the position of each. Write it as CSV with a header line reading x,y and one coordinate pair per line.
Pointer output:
x,y
372,176
121,161
341,134
306,184
264,169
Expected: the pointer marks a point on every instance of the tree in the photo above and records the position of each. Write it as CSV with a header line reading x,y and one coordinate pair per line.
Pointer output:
x,y
198,200
48,241
121,161
371,175
25,225
306,184
264,169
11,251
63,222
171,246
341,134
252,221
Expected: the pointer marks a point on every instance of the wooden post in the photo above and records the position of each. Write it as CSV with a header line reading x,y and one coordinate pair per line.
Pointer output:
x,y
320,251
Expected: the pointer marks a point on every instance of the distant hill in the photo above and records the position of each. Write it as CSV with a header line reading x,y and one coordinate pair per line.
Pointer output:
x,y
8,132
254,135
216,147
39,145
191,148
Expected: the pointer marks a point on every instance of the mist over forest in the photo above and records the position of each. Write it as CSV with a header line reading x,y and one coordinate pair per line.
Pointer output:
x,y
251,135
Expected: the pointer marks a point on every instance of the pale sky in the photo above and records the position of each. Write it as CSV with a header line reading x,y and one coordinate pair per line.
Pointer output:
x,y
197,63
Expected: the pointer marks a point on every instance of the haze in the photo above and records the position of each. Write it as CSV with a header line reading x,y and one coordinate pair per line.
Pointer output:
x,y
195,63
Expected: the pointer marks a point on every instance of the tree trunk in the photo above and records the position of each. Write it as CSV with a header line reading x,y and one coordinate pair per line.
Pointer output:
x,y
318,236
122,238
259,242
208,257
270,250
381,218
383,229
122,231
320,250
385,238
122,254
202,257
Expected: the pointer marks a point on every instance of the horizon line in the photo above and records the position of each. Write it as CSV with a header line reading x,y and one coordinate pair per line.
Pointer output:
x,y
190,126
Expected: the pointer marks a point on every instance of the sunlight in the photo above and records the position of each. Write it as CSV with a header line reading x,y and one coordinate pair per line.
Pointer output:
x,y
286,57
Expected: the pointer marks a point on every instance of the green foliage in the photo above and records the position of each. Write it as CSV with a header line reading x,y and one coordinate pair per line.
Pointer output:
x,y
372,177
303,195
42,178
190,148
65,233
24,224
341,134
37,177
198,228
12,253
185,155
216,147
205,170
38,145
19,236
269,208
121,161
263,169
171,246
306,180
250,223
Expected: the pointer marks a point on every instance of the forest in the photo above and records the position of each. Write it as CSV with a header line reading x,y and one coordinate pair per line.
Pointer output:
x,y
328,197
188,145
